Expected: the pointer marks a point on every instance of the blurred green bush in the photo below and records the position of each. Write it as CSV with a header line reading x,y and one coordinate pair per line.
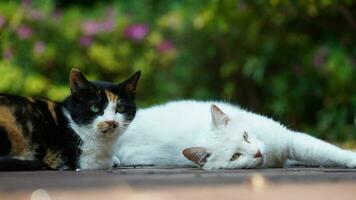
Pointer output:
x,y
293,60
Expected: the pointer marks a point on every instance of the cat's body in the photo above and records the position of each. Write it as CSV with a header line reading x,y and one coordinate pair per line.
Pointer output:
x,y
80,132
209,137
35,128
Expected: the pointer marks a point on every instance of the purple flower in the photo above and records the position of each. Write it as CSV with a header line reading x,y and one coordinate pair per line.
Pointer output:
x,y
91,27
7,54
95,27
24,32
39,47
136,32
2,21
85,40
165,46
320,56
107,25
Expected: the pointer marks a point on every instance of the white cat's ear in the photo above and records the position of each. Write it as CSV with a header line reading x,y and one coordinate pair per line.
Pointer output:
x,y
199,155
219,117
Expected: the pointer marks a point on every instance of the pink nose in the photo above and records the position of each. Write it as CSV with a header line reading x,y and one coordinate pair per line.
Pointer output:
x,y
258,154
112,124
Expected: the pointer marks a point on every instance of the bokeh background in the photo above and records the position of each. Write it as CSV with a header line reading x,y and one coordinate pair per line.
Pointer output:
x,y
294,60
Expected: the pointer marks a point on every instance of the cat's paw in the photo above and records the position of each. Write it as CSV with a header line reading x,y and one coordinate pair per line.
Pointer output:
x,y
351,164
212,166
116,162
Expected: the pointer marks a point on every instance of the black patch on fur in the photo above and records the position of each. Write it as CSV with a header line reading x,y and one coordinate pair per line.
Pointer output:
x,y
80,102
11,164
5,144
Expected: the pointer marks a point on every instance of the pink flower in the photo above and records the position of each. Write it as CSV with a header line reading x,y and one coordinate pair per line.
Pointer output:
x,y
2,21
36,15
107,25
26,3
85,40
91,27
136,32
39,47
7,54
165,46
24,32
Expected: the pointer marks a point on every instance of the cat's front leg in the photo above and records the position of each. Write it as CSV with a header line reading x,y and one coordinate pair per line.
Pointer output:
x,y
315,152
240,163
116,161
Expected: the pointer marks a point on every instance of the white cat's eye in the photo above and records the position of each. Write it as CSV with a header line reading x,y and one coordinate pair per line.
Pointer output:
x,y
120,108
94,109
235,156
246,137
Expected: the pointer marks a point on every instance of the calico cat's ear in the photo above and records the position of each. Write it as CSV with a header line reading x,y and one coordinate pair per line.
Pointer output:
x,y
199,155
219,117
77,80
129,86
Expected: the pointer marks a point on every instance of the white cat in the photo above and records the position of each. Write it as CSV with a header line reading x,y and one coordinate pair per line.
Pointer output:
x,y
201,131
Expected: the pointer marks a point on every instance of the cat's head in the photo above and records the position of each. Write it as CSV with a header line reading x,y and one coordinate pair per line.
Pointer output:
x,y
100,108
231,145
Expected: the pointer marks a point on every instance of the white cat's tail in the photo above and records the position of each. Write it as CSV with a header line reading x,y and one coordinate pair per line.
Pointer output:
x,y
312,151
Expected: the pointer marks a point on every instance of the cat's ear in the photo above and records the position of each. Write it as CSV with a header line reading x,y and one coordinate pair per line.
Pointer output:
x,y
220,119
77,80
129,86
198,155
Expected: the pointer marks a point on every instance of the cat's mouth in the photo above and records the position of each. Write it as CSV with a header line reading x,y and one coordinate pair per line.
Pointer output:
x,y
260,157
108,127
109,130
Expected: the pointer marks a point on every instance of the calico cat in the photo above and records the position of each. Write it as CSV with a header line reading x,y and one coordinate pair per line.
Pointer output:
x,y
201,131
80,132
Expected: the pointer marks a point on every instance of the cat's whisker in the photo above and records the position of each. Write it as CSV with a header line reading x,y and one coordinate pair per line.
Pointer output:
x,y
91,136
87,138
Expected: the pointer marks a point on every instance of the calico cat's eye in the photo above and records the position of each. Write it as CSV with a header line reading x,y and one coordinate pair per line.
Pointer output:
x,y
235,156
120,108
94,109
246,137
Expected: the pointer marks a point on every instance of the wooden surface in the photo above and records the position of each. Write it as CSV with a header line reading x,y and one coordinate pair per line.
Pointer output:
x,y
180,183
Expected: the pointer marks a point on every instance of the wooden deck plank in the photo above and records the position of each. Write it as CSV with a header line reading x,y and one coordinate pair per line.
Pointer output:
x,y
150,182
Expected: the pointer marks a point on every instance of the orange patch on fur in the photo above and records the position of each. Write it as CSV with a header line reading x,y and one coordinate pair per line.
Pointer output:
x,y
51,107
111,96
103,126
19,144
30,99
53,159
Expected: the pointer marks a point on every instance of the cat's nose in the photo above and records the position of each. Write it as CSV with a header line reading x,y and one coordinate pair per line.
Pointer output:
x,y
112,124
258,154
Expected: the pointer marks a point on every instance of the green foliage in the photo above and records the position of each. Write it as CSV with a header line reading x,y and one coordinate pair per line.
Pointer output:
x,y
293,60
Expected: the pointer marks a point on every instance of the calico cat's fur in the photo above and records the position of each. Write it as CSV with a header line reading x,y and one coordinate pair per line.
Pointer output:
x,y
80,132
202,132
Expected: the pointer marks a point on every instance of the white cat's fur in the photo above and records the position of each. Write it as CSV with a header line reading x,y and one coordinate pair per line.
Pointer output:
x,y
158,135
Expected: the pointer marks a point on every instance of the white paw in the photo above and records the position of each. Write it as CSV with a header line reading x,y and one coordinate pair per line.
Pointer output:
x,y
351,164
212,166
116,161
